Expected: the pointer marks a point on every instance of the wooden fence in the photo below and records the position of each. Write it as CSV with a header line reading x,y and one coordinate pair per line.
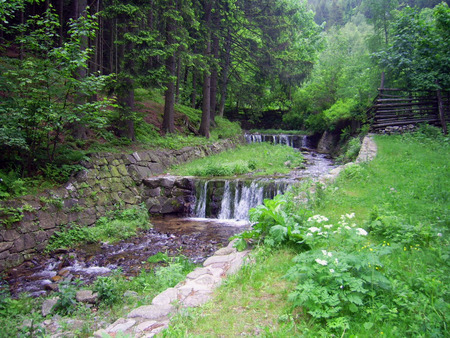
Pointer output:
x,y
400,107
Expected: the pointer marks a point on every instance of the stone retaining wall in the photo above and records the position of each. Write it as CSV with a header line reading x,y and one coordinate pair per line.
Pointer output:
x,y
110,180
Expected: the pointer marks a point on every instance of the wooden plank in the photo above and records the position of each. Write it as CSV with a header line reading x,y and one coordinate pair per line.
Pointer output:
x,y
381,125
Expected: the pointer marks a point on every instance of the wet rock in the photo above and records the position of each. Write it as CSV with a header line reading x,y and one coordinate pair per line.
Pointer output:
x,y
48,305
86,296
51,287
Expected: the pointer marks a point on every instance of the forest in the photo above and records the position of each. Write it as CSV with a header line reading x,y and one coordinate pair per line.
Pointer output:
x,y
72,70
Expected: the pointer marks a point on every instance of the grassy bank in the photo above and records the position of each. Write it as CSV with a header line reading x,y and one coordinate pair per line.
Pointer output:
x,y
366,256
258,158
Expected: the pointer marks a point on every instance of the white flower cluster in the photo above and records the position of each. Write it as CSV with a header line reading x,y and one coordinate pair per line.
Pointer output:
x,y
343,224
318,219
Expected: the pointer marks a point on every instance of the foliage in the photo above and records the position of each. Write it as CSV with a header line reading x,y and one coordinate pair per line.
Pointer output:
x,y
260,158
417,57
117,225
42,93
350,150
225,129
108,289
66,303
342,83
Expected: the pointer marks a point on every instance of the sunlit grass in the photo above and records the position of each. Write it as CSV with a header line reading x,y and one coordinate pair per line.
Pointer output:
x,y
259,158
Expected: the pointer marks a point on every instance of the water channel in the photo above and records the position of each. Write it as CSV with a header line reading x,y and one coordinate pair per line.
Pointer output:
x,y
221,211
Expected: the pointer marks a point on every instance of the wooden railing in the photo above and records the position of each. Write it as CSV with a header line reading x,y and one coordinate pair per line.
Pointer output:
x,y
399,107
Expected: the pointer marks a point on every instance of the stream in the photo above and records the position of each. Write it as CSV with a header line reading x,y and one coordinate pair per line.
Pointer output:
x,y
221,211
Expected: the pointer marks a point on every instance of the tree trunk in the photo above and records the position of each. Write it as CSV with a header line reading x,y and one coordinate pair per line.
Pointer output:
x,y
225,71
194,89
79,130
168,125
214,76
126,99
206,106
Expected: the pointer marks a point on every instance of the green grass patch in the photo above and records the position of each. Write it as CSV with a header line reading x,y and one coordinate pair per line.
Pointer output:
x,y
117,225
261,159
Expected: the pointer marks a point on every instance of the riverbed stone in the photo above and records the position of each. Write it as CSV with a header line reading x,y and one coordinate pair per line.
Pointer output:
x,y
86,296
48,305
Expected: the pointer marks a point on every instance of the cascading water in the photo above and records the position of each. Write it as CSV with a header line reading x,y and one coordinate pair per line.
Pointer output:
x,y
232,199
295,141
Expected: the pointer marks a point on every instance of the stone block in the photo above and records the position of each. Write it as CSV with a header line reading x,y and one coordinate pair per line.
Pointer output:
x,y
138,173
122,170
46,220
27,226
5,246
154,312
114,171
156,168
166,297
9,235
24,242
86,296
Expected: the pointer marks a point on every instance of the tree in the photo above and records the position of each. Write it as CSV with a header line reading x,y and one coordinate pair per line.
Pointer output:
x,y
419,53
41,92
206,105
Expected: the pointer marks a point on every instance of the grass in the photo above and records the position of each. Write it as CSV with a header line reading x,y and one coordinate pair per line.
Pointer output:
x,y
392,283
113,227
259,158
256,296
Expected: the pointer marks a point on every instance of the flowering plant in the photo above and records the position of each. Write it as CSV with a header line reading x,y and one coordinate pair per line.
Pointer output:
x,y
340,274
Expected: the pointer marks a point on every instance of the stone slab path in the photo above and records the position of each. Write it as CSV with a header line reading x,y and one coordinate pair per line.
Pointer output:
x,y
195,290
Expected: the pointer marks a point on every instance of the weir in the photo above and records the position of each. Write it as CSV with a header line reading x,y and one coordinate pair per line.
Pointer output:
x,y
295,141
233,198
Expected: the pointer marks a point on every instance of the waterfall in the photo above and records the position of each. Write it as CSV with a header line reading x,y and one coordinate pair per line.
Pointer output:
x,y
232,199
200,206
295,141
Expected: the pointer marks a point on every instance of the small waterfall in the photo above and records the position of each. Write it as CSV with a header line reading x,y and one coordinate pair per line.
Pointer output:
x,y
232,199
200,206
254,138
295,141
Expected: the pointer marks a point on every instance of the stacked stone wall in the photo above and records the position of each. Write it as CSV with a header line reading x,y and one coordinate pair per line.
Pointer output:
x,y
109,181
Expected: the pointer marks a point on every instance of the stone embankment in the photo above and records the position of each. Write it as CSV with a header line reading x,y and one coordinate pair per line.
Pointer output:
x,y
197,289
109,181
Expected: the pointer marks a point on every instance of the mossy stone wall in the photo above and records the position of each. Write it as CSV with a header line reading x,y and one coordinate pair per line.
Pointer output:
x,y
109,181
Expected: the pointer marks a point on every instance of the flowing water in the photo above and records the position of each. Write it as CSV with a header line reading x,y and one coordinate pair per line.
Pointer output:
x,y
220,212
